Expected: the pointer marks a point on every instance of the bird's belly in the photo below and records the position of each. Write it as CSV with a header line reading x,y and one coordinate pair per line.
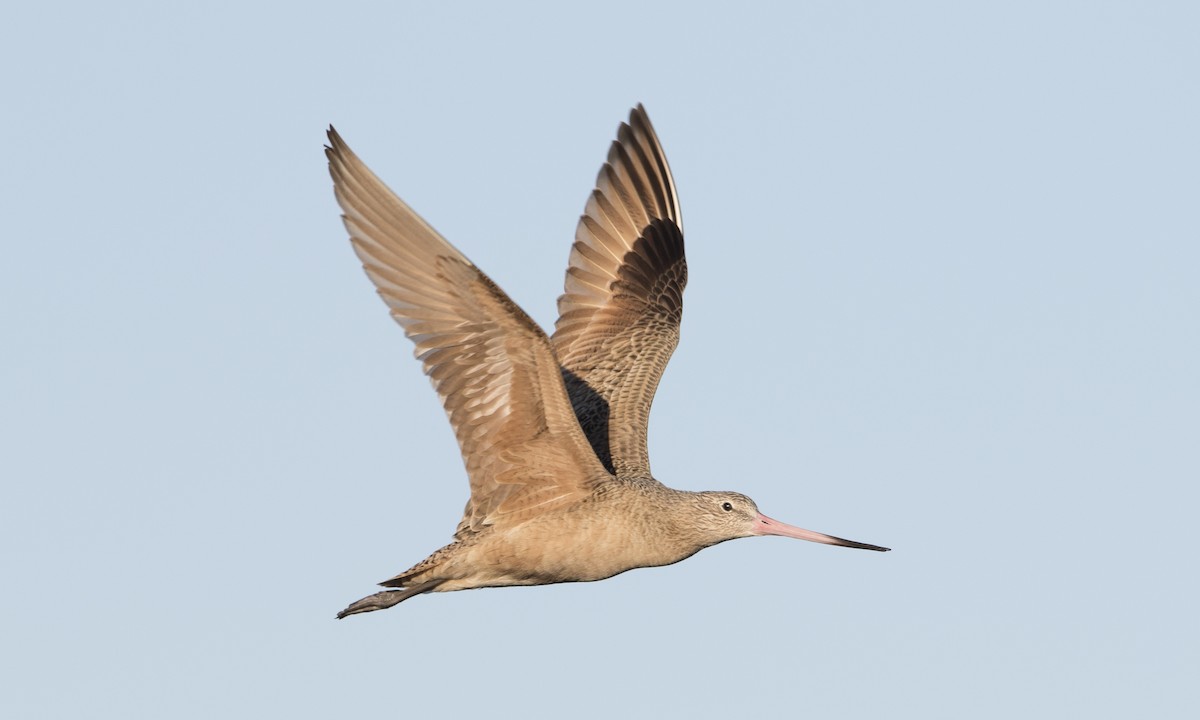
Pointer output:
x,y
543,553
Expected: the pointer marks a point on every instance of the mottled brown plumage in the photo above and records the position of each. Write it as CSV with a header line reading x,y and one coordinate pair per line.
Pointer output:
x,y
552,432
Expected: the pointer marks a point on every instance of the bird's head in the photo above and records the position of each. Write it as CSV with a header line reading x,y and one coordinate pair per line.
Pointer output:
x,y
730,515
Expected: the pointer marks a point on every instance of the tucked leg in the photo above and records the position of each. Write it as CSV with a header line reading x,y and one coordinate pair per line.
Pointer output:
x,y
386,599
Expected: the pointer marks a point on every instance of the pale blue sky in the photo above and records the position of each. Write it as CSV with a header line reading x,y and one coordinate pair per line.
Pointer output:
x,y
943,298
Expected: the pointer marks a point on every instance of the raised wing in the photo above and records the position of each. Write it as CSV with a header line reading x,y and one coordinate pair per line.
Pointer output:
x,y
491,365
619,315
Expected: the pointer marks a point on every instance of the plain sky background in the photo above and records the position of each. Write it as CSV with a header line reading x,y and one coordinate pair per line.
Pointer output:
x,y
944,298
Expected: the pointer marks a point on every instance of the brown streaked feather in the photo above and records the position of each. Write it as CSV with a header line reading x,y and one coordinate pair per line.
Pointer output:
x,y
623,299
492,366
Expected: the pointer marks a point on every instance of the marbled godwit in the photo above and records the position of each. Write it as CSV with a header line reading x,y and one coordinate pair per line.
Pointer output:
x,y
552,430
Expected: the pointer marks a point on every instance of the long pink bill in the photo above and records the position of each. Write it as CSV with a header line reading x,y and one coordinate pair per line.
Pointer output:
x,y
768,526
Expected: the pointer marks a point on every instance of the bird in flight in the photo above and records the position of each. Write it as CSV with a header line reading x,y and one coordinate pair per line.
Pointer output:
x,y
552,429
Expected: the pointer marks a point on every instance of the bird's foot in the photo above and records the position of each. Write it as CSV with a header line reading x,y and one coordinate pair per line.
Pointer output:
x,y
387,598
371,603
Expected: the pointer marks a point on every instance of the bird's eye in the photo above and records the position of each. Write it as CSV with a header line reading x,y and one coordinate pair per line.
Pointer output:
x,y
727,507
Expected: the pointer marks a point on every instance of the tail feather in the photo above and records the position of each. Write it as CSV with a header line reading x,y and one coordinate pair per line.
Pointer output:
x,y
402,580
